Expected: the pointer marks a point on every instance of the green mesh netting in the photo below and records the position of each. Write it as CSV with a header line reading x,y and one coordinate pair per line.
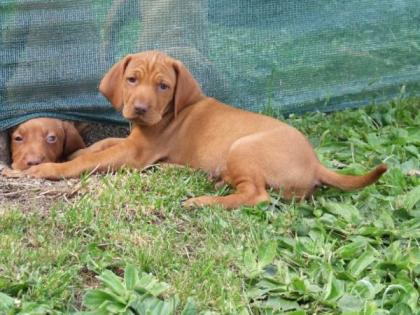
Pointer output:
x,y
288,54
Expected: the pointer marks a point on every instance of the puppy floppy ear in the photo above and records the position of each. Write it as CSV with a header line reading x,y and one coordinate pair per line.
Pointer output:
x,y
72,139
187,90
111,85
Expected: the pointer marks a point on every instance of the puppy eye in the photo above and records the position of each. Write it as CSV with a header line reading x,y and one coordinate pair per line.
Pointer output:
x,y
163,86
18,138
51,139
132,80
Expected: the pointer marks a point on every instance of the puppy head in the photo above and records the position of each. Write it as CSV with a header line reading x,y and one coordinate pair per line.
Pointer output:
x,y
42,140
146,85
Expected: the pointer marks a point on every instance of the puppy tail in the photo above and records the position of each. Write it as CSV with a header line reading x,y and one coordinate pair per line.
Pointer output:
x,y
349,182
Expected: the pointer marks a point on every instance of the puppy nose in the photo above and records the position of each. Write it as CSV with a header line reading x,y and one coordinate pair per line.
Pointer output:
x,y
141,108
31,161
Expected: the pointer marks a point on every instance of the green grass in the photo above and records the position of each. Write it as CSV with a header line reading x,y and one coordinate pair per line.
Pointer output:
x,y
340,253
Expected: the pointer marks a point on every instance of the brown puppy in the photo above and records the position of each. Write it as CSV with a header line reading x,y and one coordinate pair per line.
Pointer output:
x,y
43,140
174,122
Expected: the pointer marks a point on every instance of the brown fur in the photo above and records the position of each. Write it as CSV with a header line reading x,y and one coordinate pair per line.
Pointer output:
x,y
30,145
178,124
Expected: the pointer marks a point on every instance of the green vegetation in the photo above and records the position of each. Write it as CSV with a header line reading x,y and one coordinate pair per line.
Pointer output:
x,y
125,244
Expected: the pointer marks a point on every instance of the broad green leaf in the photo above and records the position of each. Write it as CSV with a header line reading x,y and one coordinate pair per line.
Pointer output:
x,y
352,250
401,309
115,308
190,308
388,293
254,264
283,304
95,298
34,308
374,140
148,283
155,306
393,252
345,276
168,307
317,235
113,282
95,312
6,302
410,228
286,242
350,304
358,265
334,289
370,308
373,231
266,254
367,289
243,311
409,200
278,304
410,294
415,256
412,164
131,277
401,136
299,285
255,293
272,284
347,211
385,220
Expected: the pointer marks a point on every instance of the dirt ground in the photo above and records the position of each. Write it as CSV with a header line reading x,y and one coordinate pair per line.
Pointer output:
x,y
29,194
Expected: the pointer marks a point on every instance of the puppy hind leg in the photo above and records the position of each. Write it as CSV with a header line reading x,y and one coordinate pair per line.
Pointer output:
x,y
244,173
246,193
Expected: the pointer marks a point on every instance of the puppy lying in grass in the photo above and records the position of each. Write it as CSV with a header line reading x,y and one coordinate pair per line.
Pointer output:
x,y
174,122
43,140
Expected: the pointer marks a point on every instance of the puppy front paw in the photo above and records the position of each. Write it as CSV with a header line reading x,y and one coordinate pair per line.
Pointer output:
x,y
8,172
45,170
198,202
